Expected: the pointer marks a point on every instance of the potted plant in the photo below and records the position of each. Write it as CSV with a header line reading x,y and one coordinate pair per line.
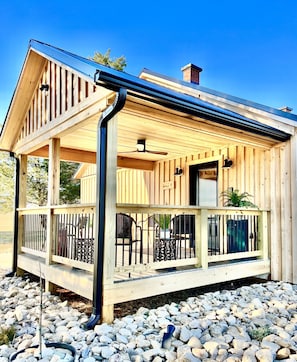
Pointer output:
x,y
163,221
233,198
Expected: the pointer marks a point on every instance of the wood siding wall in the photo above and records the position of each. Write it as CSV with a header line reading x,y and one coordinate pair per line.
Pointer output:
x,y
133,186
267,175
66,91
250,172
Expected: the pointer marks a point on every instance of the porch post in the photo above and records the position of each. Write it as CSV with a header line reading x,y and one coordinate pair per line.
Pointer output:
x,y
53,199
203,255
110,212
23,159
264,235
294,205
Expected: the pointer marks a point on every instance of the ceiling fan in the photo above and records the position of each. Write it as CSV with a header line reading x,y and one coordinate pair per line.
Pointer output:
x,y
141,147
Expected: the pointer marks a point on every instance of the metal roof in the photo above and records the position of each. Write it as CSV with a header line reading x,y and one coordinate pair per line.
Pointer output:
x,y
113,79
226,96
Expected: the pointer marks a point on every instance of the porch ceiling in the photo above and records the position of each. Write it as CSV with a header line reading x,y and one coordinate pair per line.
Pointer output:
x,y
164,130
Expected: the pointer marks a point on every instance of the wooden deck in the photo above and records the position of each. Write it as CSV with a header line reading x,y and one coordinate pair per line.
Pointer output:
x,y
206,251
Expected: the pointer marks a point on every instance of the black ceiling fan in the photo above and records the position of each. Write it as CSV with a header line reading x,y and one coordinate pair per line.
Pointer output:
x,y
141,147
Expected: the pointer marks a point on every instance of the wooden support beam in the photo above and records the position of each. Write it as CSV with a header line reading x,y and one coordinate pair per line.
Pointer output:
x,y
22,201
53,199
68,154
135,163
74,155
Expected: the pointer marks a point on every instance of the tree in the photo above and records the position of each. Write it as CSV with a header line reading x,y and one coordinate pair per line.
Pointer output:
x,y
7,178
105,59
69,188
38,182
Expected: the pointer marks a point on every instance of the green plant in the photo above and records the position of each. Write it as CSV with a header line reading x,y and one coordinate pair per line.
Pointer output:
x,y
236,199
7,334
259,333
164,221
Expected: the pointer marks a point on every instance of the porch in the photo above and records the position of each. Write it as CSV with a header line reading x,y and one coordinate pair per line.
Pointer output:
x,y
201,246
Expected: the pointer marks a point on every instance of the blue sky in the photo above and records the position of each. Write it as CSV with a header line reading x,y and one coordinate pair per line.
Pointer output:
x,y
246,48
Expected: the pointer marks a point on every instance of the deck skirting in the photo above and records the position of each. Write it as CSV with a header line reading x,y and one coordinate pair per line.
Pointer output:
x,y
81,282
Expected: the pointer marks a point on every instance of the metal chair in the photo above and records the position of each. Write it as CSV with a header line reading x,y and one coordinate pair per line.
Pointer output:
x,y
183,230
128,234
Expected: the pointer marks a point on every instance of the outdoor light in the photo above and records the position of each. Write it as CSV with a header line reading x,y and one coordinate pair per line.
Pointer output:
x,y
227,163
140,146
44,87
178,171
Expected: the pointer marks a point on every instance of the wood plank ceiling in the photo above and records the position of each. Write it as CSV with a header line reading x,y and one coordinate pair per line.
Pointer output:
x,y
164,130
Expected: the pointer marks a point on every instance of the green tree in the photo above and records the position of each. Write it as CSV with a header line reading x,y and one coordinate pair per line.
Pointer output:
x,y
105,59
7,178
38,182
69,188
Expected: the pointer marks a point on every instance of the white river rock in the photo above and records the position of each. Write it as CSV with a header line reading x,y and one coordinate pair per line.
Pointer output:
x,y
256,323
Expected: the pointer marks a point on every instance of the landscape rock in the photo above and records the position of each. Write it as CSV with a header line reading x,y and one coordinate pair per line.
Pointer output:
x,y
253,323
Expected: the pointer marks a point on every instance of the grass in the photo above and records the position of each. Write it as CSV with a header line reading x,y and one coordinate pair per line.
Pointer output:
x,y
7,334
259,333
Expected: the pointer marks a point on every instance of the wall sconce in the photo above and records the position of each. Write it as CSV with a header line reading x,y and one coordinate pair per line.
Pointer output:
x,y
227,163
44,87
178,171
140,146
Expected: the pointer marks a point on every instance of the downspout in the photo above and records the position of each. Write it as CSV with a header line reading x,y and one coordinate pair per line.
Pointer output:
x,y
108,114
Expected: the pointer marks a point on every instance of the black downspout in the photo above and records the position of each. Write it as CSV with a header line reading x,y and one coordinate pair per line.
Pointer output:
x,y
100,205
16,221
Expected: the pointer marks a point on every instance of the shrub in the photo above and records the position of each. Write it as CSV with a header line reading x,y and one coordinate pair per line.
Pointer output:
x,y
259,333
6,334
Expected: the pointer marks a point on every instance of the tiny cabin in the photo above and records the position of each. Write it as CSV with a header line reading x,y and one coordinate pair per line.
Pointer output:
x,y
156,156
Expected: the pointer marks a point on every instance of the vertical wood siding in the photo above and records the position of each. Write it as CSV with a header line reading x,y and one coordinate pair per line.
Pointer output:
x,y
66,91
267,175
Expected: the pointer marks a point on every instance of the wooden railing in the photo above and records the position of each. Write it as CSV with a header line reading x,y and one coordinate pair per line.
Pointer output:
x,y
147,238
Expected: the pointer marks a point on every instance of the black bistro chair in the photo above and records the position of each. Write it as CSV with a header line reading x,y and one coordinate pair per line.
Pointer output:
x,y
183,231
128,235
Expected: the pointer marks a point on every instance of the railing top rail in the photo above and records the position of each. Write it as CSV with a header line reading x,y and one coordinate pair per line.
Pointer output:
x,y
59,209
184,208
143,208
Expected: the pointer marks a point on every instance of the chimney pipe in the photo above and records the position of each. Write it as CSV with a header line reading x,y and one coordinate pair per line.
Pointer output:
x,y
191,73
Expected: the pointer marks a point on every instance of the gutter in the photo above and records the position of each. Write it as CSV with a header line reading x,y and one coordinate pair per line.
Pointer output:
x,y
186,104
108,114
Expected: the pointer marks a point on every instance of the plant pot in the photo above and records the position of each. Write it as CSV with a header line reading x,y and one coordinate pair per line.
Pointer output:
x,y
54,345
164,234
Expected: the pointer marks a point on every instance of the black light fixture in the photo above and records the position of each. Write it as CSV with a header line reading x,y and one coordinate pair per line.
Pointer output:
x,y
44,87
140,146
227,163
178,171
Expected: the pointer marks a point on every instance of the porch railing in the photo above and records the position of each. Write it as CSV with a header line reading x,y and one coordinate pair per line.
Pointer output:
x,y
147,238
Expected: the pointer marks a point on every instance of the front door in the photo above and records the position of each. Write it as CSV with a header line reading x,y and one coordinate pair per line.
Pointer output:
x,y
204,192
204,184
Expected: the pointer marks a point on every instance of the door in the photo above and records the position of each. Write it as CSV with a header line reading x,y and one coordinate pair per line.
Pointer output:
x,y
204,192
204,184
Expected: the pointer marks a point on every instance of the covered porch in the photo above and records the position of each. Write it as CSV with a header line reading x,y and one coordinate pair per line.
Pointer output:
x,y
111,247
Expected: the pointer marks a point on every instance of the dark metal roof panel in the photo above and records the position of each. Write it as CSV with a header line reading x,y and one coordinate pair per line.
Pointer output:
x,y
226,96
113,79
